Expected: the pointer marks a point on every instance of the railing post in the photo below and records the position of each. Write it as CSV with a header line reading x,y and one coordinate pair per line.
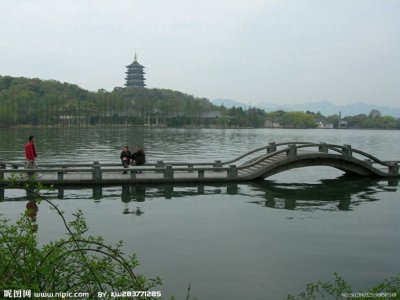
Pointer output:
x,y
60,175
159,164
347,152
232,171
323,148
271,147
291,152
393,168
190,168
96,173
133,175
168,172
200,174
217,164
2,167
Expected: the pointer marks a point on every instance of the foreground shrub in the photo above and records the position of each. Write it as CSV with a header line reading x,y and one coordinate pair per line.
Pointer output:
x,y
76,263
340,289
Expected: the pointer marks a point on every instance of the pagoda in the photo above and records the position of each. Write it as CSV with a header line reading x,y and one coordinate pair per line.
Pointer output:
x,y
135,75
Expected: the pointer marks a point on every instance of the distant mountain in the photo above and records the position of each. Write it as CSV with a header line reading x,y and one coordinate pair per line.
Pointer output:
x,y
228,103
326,108
362,108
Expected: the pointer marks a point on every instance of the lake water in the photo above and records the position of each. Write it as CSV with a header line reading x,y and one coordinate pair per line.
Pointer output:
x,y
259,240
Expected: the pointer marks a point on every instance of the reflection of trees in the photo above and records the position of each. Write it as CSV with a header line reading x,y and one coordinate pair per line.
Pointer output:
x,y
341,193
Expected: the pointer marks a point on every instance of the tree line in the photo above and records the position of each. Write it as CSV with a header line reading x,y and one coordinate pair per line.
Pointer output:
x,y
35,102
38,102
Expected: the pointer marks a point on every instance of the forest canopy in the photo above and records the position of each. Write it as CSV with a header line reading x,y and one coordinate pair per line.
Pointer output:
x,y
36,102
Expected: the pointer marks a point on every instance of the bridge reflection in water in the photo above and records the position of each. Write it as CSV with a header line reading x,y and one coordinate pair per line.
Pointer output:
x,y
342,193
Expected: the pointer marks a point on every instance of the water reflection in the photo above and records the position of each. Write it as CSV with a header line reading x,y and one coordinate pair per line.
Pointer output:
x,y
343,193
133,193
32,209
97,193
136,212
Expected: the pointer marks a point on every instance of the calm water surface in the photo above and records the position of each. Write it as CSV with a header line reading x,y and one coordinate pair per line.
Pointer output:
x,y
259,240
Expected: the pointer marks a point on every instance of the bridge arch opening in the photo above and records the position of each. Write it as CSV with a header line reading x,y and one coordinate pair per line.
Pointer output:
x,y
313,174
346,166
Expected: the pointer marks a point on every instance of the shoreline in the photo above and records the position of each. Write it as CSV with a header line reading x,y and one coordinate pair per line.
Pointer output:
x,y
174,127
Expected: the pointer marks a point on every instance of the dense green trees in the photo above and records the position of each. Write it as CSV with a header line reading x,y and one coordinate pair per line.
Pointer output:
x,y
35,102
238,117
296,119
374,120
308,119
38,102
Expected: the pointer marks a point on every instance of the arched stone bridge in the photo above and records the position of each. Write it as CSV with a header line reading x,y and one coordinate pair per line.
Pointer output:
x,y
257,164
285,156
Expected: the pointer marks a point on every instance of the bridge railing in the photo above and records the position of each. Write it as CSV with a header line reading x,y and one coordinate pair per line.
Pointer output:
x,y
158,166
18,165
289,149
270,148
96,172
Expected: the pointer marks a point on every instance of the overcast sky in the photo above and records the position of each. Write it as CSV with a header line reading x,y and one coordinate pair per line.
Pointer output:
x,y
253,51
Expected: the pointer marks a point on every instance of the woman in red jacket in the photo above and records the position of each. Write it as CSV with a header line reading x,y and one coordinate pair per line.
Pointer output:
x,y
30,153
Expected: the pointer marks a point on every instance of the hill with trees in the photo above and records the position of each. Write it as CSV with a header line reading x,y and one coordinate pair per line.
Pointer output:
x,y
36,102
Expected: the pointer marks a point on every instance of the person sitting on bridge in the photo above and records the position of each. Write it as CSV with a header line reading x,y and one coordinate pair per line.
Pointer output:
x,y
125,157
139,157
